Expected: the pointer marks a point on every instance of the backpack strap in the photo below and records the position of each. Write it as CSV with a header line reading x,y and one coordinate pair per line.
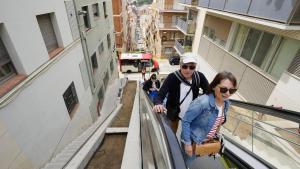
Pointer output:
x,y
185,96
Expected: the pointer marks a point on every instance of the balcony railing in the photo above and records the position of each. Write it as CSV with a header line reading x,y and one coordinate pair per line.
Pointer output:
x,y
167,25
189,2
285,11
188,27
170,7
182,47
168,43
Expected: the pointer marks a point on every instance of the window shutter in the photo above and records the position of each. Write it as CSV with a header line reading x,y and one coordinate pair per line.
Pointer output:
x,y
47,31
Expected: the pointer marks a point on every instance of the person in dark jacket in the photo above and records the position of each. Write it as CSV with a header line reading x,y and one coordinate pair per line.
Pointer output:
x,y
181,88
151,86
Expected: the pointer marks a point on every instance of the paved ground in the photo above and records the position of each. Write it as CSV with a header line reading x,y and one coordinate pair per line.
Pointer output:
x,y
110,153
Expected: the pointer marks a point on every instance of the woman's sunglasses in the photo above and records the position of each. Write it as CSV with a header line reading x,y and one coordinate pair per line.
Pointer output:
x,y
191,67
224,90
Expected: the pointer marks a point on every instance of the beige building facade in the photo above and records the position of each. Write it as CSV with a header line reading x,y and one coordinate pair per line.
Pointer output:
x,y
259,43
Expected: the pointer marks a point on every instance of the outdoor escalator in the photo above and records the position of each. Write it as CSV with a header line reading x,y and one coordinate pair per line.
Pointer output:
x,y
256,136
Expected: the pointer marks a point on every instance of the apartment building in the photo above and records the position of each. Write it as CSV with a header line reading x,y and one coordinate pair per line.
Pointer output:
x,y
259,41
187,25
120,8
167,14
52,82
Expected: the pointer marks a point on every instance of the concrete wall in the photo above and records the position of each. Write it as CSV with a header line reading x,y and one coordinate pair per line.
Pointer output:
x,y
22,32
199,29
34,122
286,93
215,22
38,119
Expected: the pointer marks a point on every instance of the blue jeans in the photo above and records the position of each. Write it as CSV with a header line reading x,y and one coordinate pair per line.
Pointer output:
x,y
152,95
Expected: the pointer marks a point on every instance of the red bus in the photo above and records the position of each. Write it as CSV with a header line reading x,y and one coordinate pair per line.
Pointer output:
x,y
134,62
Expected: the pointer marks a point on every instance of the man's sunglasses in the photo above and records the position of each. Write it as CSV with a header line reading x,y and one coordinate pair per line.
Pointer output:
x,y
191,67
224,90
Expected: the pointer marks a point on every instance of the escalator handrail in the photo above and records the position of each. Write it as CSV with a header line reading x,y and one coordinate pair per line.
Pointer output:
x,y
270,110
242,162
163,122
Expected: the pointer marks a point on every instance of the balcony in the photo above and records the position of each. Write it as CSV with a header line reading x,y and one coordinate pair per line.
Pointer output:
x,y
284,11
173,8
189,2
182,46
168,43
187,27
167,26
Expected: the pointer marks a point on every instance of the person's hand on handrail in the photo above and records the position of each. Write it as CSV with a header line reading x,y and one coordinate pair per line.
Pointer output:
x,y
159,108
188,149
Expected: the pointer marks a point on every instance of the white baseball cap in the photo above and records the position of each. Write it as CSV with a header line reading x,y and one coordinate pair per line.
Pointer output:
x,y
188,58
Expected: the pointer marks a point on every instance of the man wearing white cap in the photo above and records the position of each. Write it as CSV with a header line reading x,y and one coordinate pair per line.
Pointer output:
x,y
181,88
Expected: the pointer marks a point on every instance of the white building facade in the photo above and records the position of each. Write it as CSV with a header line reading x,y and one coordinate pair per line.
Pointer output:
x,y
52,83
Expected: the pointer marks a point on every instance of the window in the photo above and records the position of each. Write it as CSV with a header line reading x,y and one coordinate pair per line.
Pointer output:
x,y
168,49
250,44
212,29
284,57
6,67
101,94
209,32
104,9
262,50
101,48
70,98
255,46
268,51
111,65
86,18
173,35
94,62
105,80
47,31
240,36
100,99
108,41
95,8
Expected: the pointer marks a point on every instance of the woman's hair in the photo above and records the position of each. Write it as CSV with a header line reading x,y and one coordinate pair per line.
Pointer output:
x,y
153,76
218,78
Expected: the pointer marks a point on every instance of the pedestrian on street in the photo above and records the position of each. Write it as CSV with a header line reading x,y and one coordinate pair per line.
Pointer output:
x,y
144,73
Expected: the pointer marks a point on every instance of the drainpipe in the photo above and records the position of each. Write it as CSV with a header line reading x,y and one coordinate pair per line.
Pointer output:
x,y
84,48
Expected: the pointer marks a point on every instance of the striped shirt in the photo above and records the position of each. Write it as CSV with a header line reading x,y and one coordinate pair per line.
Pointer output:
x,y
220,119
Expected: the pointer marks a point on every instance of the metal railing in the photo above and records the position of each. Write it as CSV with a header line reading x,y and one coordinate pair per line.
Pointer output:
x,y
171,6
167,25
182,47
161,150
189,2
188,27
270,134
285,11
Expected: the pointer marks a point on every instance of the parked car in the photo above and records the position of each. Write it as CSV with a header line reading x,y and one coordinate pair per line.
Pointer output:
x,y
174,60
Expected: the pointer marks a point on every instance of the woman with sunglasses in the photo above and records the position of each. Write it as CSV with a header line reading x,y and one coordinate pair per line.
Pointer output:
x,y
207,113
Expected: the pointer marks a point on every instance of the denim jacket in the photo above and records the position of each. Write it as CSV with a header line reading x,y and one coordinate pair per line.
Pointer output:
x,y
200,118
